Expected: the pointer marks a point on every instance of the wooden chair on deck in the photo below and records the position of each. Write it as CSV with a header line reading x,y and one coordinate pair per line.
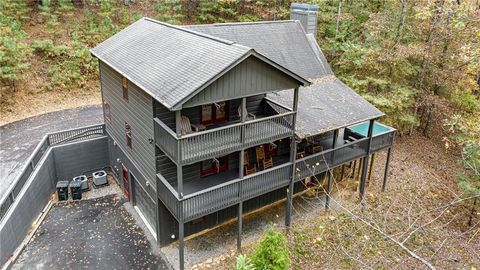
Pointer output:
x,y
300,153
260,154
186,126
267,163
250,170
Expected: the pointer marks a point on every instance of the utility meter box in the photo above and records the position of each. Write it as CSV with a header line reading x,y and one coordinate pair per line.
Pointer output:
x,y
62,190
76,190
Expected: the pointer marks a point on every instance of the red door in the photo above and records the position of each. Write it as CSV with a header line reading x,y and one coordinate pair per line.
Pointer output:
x,y
126,182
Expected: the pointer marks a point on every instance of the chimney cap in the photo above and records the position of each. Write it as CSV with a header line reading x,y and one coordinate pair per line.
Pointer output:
x,y
304,7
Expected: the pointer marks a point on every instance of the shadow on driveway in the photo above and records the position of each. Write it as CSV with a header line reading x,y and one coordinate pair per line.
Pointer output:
x,y
90,234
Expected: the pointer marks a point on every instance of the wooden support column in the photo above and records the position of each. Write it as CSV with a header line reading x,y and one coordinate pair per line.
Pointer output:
x,y
293,154
330,170
365,161
178,125
240,176
371,169
385,175
181,245
181,232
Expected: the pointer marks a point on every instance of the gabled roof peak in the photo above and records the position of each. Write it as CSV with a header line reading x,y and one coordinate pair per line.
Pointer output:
x,y
246,23
225,41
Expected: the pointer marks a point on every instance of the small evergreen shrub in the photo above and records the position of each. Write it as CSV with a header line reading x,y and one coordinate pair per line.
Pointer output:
x,y
272,253
244,263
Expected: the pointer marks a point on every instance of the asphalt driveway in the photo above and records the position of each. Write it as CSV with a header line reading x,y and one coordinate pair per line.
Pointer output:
x,y
18,139
90,234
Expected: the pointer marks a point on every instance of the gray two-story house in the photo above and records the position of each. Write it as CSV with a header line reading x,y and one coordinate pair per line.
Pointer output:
x,y
208,122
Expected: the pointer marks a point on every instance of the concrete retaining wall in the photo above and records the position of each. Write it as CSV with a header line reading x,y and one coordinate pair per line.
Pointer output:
x,y
59,162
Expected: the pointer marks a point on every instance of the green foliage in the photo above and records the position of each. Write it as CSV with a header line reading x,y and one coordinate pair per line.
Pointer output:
x,y
13,51
217,11
68,63
170,11
272,253
470,181
244,263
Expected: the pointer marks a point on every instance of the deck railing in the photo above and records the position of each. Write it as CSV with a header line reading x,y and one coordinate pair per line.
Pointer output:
x,y
321,162
223,195
221,141
232,192
382,141
48,140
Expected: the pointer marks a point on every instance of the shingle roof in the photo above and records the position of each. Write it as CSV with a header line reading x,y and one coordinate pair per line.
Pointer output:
x,y
284,42
171,63
165,61
326,105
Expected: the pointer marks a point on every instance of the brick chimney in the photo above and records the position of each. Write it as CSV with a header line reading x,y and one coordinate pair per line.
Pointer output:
x,y
307,15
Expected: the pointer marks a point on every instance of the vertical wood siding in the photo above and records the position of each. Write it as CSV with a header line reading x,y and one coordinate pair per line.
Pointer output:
x,y
138,113
250,77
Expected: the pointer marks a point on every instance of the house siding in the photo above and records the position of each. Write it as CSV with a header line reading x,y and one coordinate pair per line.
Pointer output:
x,y
255,104
138,113
248,78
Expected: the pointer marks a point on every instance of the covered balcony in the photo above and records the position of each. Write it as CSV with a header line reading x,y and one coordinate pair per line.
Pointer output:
x,y
214,130
214,184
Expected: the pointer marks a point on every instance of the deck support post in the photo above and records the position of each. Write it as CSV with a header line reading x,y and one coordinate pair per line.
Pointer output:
x,y
330,171
385,175
181,245
370,170
365,161
240,223
329,189
293,157
243,117
178,127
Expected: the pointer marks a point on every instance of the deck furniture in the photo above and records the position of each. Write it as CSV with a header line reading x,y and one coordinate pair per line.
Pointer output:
x,y
267,163
186,126
260,154
250,170
301,153
245,158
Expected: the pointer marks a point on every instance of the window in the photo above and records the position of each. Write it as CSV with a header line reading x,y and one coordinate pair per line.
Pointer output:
x,y
214,113
213,166
128,135
125,88
106,112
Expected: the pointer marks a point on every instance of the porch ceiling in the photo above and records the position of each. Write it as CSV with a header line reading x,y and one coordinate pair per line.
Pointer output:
x,y
326,105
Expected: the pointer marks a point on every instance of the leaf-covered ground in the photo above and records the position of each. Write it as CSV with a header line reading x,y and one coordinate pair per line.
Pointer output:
x,y
422,200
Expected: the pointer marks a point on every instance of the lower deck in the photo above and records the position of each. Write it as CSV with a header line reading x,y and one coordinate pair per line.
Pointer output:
x,y
206,194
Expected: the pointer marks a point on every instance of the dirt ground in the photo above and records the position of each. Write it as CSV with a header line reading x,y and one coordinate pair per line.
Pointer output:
x,y
28,104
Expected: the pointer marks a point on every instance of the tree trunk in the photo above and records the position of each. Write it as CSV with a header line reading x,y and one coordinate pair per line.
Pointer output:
x,y
472,213
339,13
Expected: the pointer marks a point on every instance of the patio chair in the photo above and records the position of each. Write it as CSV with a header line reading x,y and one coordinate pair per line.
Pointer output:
x,y
250,116
250,170
300,153
260,154
267,163
245,158
186,126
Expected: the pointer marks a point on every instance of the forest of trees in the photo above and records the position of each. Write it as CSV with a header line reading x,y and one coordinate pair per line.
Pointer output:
x,y
416,60
406,57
